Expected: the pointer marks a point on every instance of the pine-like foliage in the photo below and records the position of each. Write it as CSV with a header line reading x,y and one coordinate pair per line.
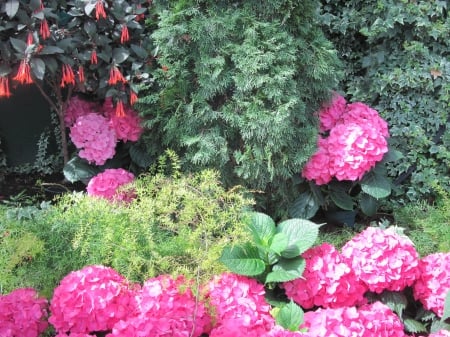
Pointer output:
x,y
236,88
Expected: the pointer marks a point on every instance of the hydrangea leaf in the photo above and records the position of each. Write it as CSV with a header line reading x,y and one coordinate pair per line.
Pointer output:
x,y
376,185
243,260
262,227
289,316
301,234
287,270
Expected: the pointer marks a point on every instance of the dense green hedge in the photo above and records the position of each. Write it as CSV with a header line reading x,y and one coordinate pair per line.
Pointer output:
x,y
397,59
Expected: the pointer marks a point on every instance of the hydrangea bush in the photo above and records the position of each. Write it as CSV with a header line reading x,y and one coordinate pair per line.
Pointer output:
x,y
111,185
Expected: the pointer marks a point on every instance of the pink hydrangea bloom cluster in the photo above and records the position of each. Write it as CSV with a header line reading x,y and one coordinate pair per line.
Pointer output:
x,y
356,141
367,321
239,306
128,127
110,184
90,300
78,107
22,313
382,259
166,307
328,281
433,283
93,134
440,333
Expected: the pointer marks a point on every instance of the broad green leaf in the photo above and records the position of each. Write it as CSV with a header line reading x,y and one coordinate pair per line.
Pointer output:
x,y
89,8
49,50
243,260
90,28
290,316
368,204
376,185
262,228
287,270
342,199
395,300
413,326
301,234
38,67
140,156
392,155
279,243
4,69
305,206
446,307
35,5
140,52
19,45
11,8
120,55
438,325
78,169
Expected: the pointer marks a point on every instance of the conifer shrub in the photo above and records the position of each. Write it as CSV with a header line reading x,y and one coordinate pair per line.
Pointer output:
x,y
235,88
178,224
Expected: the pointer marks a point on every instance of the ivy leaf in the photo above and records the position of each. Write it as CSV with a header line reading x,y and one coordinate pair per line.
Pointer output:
x,y
11,8
243,260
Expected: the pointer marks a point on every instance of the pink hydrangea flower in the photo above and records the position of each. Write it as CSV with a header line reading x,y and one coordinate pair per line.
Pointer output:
x,y
331,113
78,107
318,166
22,313
327,281
74,334
371,320
128,127
91,299
165,307
433,283
354,150
382,259
239,306
95,137
110,185
362,114
440,333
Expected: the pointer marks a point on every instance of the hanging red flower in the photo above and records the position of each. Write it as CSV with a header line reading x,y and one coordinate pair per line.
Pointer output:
x,y
30,39
23,75
124,36
115,76
94,59
100,10
133,97
81,74
120,111
4,87
44,30
67,76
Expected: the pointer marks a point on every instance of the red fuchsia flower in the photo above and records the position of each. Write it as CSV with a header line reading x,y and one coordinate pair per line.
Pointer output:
x,y
133,97
331,113
128,127
44,30
354,149
318,166
4,87
124,35
368,321
115,76
382,259
94,59
110,184
239,306
78,107
327,281
120,111
100,10
23,313
93,134
30,39
90,300
23,74
81,74
433,282
67,76
166,307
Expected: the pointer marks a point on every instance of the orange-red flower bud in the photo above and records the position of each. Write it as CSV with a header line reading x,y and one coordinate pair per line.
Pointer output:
x,y
100,10
94,59
67,76
23,75
115,76
120,111
133,97
124,36
4,87
81,74
44,30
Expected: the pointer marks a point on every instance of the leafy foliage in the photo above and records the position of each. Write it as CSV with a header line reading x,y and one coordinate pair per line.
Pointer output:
x,y
236,89
396,59
177,225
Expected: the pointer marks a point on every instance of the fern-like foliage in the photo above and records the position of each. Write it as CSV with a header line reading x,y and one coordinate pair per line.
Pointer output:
x,y
236,89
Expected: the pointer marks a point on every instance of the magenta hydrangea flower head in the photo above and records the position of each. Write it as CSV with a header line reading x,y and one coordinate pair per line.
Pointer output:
x,y
23,313
433,283
379,320
331,113
95,138
239,306
128,127
327,281
440,333
78,107
165,307
90,300
362,114
110,184
382,259
318,166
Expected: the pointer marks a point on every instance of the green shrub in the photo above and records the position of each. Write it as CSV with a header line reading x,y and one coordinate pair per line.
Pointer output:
x,y
178,224
236,87
396,56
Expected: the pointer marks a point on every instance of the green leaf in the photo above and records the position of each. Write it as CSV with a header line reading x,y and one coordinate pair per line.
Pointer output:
x,y
392,155
279,243
290,316
413,326
89,8
342,199
90,28
50,50
140,52
305,206
395,300
262,228
446,313
140,156
19,45
301,234
376,185
368,204
11,8
287,270
78,169
38,68
243,260
120,55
